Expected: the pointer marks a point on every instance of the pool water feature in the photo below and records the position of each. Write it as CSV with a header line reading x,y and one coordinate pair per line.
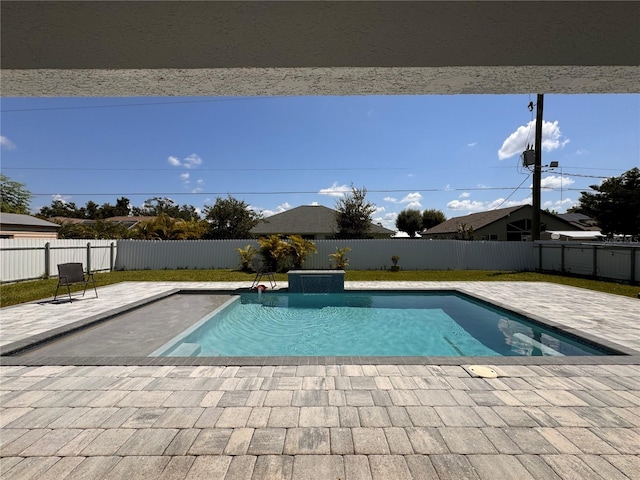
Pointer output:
x,y
369,324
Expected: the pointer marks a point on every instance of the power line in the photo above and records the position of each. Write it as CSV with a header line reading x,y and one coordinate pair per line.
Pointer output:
x,y
276,193
144,104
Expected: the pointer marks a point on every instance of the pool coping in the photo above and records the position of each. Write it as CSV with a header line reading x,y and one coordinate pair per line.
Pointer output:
x,y
7,352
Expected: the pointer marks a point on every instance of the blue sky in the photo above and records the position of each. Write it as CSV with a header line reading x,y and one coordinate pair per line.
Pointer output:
x,y
459,154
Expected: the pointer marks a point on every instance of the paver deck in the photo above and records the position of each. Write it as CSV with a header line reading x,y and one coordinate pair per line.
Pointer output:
x,y
327,420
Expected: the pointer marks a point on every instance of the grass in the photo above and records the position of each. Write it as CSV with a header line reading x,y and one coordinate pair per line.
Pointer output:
x,y
16,293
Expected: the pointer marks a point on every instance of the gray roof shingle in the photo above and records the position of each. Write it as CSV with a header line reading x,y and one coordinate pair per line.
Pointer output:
x,y
305,220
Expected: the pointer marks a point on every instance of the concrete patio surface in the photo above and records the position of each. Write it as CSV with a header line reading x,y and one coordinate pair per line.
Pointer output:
x,y
565,418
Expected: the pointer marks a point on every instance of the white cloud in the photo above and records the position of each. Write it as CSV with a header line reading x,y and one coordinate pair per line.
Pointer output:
x,y
556,182
184,177
560,206
388,220
279,209
196,190
466,205
464,195
472,144
192,161
62,198
581,151
477,206
335,190
516,143
379,210
411,200
6,143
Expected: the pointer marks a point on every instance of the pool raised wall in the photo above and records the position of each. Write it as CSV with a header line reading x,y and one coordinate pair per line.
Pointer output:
x,y
316,281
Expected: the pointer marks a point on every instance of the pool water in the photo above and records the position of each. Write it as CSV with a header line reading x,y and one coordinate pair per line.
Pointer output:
x,y
370,324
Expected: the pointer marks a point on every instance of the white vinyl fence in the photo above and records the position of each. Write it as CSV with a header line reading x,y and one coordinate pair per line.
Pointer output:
x,y
24,259
415,254
27,259
613,261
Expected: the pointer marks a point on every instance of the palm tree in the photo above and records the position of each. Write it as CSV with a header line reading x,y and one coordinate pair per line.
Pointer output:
x,y
299,249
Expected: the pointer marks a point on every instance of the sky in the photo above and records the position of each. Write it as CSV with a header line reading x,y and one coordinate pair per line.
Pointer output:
x,y
456,153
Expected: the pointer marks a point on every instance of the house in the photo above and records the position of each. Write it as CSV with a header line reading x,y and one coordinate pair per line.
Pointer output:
x,y
504,224
580,220
13,225
313,222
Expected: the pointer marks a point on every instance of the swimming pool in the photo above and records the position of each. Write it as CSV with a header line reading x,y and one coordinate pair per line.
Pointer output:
x,y
369,324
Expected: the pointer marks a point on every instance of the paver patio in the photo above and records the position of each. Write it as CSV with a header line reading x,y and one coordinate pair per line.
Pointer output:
x,y
566,418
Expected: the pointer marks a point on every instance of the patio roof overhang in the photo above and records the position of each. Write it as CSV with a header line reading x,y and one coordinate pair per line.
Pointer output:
x,y
182,48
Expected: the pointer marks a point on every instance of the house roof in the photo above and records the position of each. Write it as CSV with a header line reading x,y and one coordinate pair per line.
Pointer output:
x,y
482,219
305,220
580,220
15,219
474,220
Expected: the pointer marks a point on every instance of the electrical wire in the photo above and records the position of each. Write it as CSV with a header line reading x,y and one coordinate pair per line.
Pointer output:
x,y
39,194
144,104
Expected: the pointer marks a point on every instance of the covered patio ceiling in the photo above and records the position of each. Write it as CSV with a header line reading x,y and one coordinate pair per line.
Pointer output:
x,y
184,48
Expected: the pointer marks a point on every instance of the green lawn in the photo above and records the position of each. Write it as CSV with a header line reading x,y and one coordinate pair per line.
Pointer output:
x,y
15,293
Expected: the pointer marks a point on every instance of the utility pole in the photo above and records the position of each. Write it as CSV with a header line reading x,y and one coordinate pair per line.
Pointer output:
x,y
537,171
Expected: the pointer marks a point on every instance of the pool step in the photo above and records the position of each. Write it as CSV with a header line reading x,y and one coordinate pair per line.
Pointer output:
x,y
186,350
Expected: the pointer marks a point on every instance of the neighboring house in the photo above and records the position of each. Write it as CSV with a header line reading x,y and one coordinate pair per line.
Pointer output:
x,y
313,222
13,225
580,220
505,224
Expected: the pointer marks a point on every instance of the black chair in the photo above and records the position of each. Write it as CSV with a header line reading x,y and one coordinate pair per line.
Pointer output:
x,y
73,274
262,270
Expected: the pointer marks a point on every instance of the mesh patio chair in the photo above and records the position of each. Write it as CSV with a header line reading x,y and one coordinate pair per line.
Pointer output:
x,y
262,270
73,274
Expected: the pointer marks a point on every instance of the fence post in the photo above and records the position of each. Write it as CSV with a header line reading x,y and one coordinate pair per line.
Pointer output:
x,y
112,256
595,261
562,258
88,257
632,277
47,260
539,257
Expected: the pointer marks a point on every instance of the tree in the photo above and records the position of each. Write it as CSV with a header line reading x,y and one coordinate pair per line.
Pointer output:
x,y
230,218
58,208
615,205
353,214
14,197
100,229
432,217
299,249
409,221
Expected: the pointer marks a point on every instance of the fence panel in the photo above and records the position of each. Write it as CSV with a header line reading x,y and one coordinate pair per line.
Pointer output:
x,y
179,254
26,259
376,254
597,260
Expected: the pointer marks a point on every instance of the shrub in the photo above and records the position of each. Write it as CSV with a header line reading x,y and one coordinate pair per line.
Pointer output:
x,y
339,258
246,255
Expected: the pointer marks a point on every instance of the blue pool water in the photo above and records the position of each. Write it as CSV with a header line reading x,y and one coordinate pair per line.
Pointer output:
x,y
369,324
